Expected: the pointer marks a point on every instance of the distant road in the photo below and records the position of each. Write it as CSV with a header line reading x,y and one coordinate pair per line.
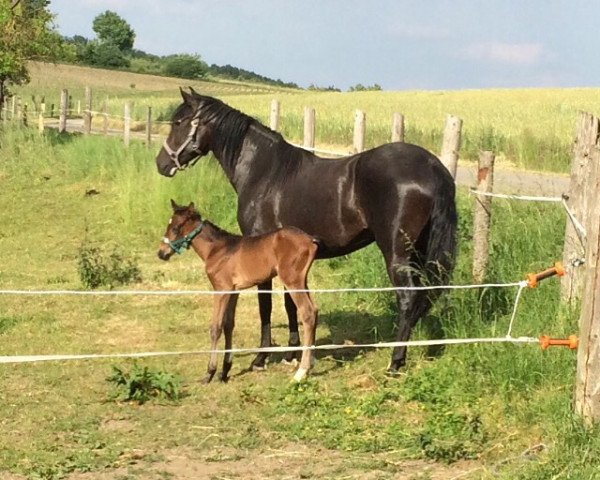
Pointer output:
x,y
505,181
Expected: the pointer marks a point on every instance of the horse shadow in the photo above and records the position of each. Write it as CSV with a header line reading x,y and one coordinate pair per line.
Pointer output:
x,y
351,329
54,137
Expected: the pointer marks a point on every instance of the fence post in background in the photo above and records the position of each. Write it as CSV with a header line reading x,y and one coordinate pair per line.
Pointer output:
x,y
127,124
62,116
149,127
397,127
24,114
587,389
87,112
79,107
309,128
13,107
5,112
105,118
41,118
51,110
70,106
19,110
579,202
482,216
360,128
274,118
451,144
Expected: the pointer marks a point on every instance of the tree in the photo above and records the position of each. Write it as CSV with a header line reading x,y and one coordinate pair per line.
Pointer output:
x,y
111,28
104,54
185,66
26,33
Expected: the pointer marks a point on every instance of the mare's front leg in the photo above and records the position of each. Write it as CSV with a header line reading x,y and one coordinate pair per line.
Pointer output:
x,y
294,338
228,326
216,328
265,306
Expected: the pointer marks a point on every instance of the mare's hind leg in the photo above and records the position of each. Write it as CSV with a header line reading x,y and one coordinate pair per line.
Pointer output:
x,y
265,306
228,326
294,338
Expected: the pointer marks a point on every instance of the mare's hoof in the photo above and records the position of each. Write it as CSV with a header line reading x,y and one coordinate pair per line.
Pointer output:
x,y
224,379
292,362
394,372
291,357
208,378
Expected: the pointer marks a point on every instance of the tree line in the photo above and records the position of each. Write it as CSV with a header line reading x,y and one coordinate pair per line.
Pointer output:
x,y
28,32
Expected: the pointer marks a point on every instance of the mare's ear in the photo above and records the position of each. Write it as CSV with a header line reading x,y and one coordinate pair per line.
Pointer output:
x,y
174,205
194,93
187,98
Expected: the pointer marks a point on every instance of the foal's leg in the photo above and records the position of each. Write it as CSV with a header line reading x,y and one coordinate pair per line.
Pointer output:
x,y
216,327
294,338
228,325
308,314
265,306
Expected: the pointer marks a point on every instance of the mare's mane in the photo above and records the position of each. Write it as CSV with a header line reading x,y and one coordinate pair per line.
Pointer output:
x,y
230,129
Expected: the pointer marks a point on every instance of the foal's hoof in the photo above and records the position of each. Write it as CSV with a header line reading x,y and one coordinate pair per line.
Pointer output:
x,y
258,368
300,375
209,376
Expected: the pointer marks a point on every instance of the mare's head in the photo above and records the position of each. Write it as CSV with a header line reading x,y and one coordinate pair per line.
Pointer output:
x,y
189,138
184,225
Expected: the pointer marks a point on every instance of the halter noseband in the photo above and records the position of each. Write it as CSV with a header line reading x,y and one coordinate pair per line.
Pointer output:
x,y
174,154
184,243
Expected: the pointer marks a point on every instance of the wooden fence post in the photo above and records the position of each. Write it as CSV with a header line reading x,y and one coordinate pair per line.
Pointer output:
x,y
62,116
397,127
451,144
482,216
149,127
309,128
587,389
274,117
579,202
19,110
24,114
360,128
87,113
13,107
127,124
105,118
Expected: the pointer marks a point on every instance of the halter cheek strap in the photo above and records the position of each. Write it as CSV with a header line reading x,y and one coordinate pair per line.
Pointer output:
x,y
184,243
174,154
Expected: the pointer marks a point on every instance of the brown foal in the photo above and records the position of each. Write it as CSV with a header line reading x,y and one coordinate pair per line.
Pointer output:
x,y
234,262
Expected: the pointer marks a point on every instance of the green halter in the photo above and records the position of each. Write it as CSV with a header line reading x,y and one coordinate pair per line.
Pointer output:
x,y
184,243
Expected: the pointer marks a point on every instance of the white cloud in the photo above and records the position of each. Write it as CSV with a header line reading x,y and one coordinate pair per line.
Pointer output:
x,y
508,53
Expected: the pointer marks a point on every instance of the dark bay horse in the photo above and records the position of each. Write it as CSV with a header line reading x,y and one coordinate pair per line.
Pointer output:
x,y
233,262
397,195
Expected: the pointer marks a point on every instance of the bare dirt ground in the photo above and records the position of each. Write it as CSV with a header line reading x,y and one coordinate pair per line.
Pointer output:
x,y
291,463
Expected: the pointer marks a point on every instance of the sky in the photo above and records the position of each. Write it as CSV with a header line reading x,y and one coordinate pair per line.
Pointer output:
x,y
398,44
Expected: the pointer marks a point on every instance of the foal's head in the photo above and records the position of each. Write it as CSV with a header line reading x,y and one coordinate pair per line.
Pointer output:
x,y
183,226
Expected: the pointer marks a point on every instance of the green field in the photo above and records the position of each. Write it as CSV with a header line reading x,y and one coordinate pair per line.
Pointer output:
x,y
479,411
527,128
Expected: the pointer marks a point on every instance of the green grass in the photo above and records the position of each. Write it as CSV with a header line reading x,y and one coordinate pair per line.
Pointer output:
x,y
486,403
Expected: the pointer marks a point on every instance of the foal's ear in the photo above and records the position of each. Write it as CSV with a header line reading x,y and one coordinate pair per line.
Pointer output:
x,y
191,207
174,205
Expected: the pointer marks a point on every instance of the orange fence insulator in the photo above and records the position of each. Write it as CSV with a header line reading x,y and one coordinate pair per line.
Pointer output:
x,y
534,278
572,342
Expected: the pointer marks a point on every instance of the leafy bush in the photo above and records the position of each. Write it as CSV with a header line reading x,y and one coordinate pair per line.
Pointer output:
x,y
143,384
185,66
97,268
